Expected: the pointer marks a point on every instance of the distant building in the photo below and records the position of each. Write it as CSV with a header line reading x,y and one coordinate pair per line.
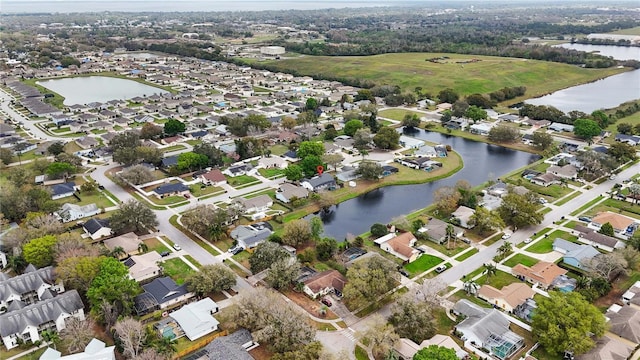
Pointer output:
x,y
272,50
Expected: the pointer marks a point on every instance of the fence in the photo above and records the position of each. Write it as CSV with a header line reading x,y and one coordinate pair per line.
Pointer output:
x,y
198,344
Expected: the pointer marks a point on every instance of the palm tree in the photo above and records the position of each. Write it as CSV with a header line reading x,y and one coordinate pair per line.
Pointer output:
x,y
582,282
117,252
490,269
450,234
505,249
143,247
634,190
470,287
50,336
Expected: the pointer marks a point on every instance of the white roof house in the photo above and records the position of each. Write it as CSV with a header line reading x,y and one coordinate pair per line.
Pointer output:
x,y
95,350
196,319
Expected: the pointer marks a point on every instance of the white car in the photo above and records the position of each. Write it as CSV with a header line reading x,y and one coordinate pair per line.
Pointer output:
x,y
177,247
506,236
527,240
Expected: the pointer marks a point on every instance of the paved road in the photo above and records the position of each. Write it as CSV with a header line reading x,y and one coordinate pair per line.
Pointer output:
x,y
27,124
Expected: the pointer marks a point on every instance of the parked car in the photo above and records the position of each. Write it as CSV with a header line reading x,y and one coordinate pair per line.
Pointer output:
x,y
466,240
164,253
441,268
236,249
187,196
177,247
585,219
542,201
325,300
506,236
527,240
403,272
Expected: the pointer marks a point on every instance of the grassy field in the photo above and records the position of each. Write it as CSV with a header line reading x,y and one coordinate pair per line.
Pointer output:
x,y
410,70
521,259
397,114
497,280
177,269
422,264
631,31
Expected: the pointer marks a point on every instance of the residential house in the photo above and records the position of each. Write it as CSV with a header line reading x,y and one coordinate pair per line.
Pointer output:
x,y
542,273
160,294
59,191
70,212
318,183
559,127
507,298
143,267
576,255
28,323
196,319
545,179
487,329
462,216
436,230
288,192
409,142
87,142
566,172
426,151
95,350
499,189
129,243
632,140
214,177
406,348
480,128
175,189
490,202
260,203
457,124
237,170
323,283
169,161
600,241
401,246
621,224
608,348
624,321
28,288
97,228
250,236
230,347
272,162
632,296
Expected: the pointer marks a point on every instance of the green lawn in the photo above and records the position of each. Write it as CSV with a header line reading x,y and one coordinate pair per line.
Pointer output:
x,y
497,280
278,149
467,255
155,245
461,294
566,199
422,264
197,190
521,259
398,114
241,180
269,173
177,269
410,70
545,245
169,200
630,31
173,148
88,198
586,206
361,354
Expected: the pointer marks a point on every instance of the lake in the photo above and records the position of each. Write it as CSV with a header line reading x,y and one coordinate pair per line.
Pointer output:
x,y
602,94
481,162
85,90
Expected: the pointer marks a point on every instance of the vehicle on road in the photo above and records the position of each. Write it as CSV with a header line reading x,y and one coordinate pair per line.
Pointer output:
x,y
236,250
506,236
441,268
325,300
527,240
164,253
177,247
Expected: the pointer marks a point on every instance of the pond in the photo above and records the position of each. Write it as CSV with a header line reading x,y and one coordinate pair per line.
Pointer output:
x,y
481,163
85,90
602,94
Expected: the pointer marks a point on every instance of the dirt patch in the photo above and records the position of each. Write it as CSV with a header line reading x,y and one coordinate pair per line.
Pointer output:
x,y
309,305
613,296
261,353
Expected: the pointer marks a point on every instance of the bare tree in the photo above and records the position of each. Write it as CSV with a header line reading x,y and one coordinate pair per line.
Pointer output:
x,y
381,335
428,292
137,174
77,333
131,334
109,313
72,245
42,224
296,232
151,354
608,265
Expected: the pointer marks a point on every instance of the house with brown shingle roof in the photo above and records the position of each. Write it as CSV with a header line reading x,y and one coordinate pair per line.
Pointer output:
x,y
401,246
214,177
619,222
507,298
624,321
324,282
542,273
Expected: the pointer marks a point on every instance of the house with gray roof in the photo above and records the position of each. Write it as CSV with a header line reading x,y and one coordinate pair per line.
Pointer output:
x,y
436,230
97,228
196,319
59,191
230,347
600,241
288,191
318,183
175,189
487,329
70,212
624,321
576,255
256,204
250,236
28,288
160,294
28,323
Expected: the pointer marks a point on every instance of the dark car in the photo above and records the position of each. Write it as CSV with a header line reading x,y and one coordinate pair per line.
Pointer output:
x,y
584,218
326,301
403,272
164,253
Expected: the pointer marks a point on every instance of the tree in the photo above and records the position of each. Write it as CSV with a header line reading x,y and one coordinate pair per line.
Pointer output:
x,y
78,272
39,251
368,279
387,138
326,248
330,132
131,335
173,127
435,352
272,321
211,279
310,148
137,174
72,245
595,165
317,227
57,170
209,150
333,159
625,128
6,156
362,139
490,270
77,333
634,192
309,165
112,285
480,101
413,320
475,113
378,230
149,154
124,147
37,224
326,200
293,172
608,266
208,221
89,187
607,229
370,170
411,120
311,104
519,211
448,96
132,216
567,322
288,122
69,158
283,273
265,254
486,220
381,336
446,200
296,232
622,152
459,108
55,148
352,126
541,140
151,131
586,129
191,161
504,134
